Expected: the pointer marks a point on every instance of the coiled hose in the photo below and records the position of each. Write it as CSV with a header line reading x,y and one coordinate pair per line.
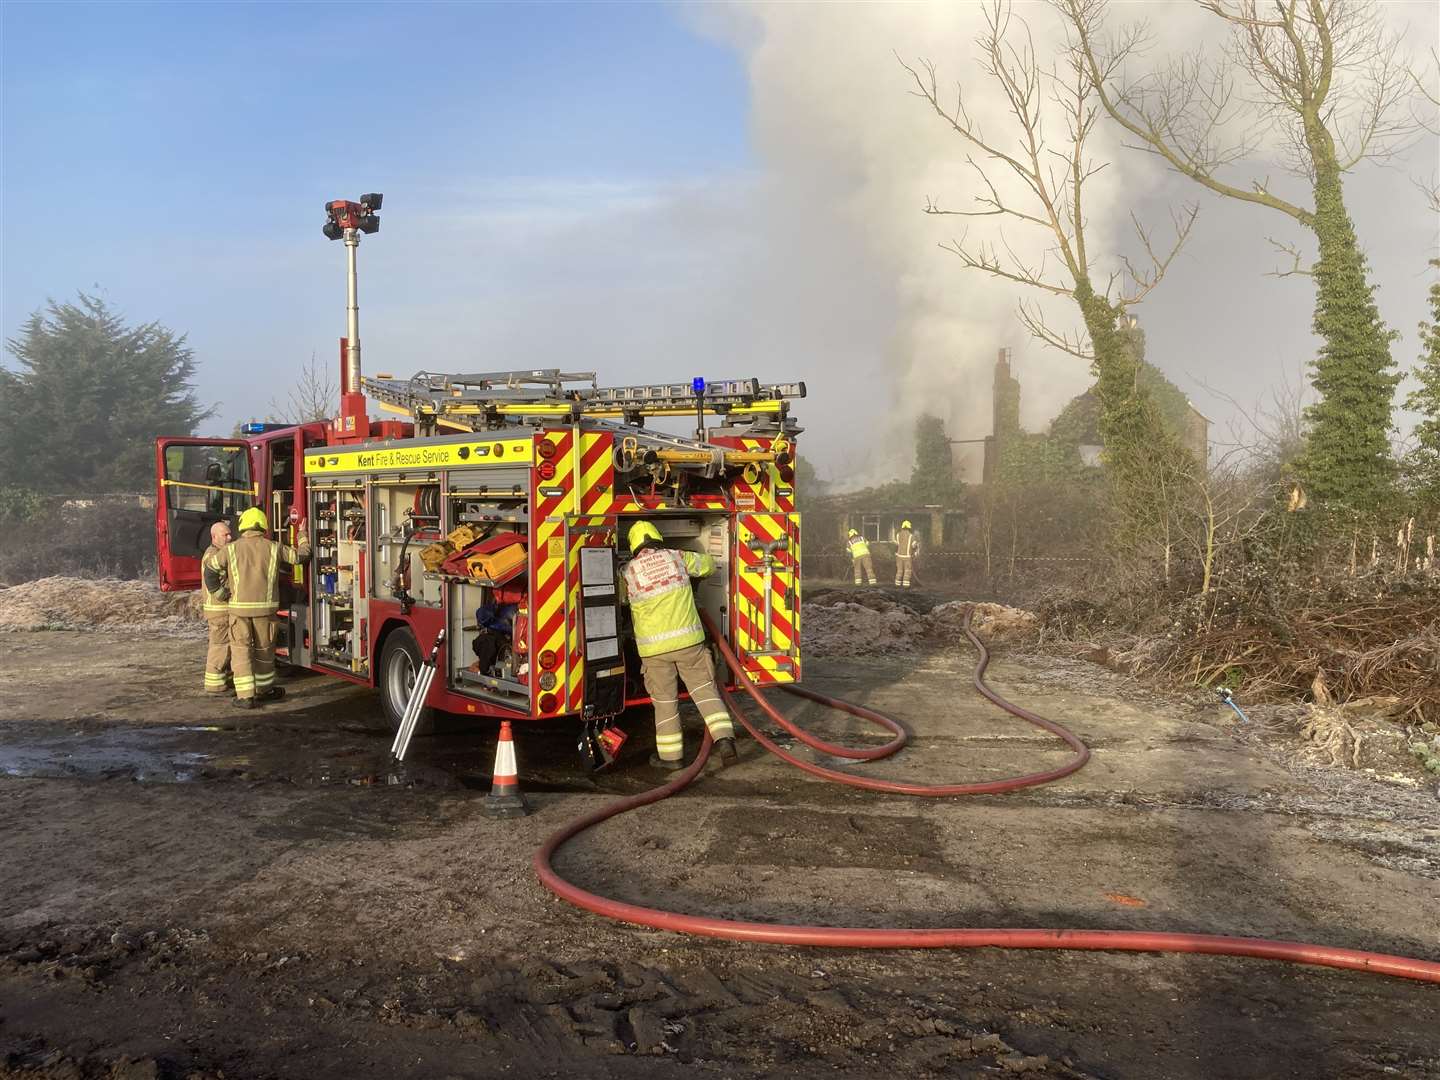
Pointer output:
x,y
855,937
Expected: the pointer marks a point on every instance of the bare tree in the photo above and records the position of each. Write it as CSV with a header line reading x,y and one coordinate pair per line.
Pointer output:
x,y
313,397
1325,76
1427,116
1042,154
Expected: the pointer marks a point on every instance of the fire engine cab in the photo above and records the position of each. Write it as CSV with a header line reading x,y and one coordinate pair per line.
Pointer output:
x,y
494,507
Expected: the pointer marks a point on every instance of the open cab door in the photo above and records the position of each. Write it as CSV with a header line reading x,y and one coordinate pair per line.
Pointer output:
x,y
198,482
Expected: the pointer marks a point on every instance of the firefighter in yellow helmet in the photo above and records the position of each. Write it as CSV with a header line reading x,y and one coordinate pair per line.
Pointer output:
x,y
250,569
907,546
860,557
217,616
671,642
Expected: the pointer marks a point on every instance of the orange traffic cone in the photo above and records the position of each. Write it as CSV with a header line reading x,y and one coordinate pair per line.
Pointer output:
x,y
505,799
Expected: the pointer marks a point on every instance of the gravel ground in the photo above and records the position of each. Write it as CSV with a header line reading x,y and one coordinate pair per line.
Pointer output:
x,y
191,891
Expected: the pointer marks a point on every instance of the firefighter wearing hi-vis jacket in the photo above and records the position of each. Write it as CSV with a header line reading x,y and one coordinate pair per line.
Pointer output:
x,y
671,641
907,547
860,557
250,569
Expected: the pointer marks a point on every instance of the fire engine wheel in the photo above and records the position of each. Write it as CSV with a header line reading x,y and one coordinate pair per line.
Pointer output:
x,y
399,663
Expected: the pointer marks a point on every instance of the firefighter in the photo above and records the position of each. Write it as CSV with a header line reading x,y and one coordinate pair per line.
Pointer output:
x,y
907,547
860,557
250,569
217,616
671,642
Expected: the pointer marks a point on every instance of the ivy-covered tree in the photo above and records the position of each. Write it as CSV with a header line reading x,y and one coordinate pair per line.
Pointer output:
x,y
933,479
88,397
1346,463
1423,464
1330,79
1035,173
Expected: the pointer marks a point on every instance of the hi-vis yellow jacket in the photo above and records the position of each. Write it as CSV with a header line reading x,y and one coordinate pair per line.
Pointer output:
x,y
858,546
216,601
656,585
250,569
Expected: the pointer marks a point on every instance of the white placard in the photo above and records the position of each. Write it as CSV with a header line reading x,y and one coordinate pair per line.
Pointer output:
x,y
599,650
597,566
599,622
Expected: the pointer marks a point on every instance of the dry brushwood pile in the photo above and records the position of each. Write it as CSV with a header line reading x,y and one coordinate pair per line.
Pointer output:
x,y
840,624
1360,639
104,604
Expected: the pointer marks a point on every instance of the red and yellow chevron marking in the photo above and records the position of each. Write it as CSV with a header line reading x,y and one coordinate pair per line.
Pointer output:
x,y
597,472
550,501
749,606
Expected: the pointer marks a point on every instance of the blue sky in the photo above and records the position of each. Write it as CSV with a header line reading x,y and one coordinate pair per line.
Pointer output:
x,y
178,155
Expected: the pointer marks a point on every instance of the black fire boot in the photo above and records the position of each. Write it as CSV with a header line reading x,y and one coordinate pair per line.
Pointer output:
x,y
245,703
657,762
275,693
725,750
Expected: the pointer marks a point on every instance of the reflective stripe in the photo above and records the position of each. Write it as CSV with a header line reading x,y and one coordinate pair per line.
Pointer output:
x,y
265,680
720,727
662,741
668,635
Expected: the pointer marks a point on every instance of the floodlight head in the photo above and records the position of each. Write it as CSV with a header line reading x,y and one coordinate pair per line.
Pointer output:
x,y
372,201
333,231
369,224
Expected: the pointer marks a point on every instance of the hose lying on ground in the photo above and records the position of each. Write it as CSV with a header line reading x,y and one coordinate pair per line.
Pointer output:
x,y
911,937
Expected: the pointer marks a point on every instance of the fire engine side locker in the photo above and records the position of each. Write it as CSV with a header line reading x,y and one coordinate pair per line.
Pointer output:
x,y
597,664
765,629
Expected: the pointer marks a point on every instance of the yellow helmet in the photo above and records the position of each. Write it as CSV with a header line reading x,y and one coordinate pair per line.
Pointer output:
x,y
854,532
640,532
906,525
254,518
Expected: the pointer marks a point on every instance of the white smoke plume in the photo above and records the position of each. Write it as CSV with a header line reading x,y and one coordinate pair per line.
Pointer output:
x,y
852,158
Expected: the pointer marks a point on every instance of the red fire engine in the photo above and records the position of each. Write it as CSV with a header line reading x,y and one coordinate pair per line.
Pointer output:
x,y
495,508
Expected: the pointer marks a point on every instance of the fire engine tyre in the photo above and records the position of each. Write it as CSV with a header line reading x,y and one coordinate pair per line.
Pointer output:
x,y
399,663
899,937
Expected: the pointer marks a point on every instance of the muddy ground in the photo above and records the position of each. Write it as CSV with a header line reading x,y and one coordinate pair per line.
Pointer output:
x,y
187,890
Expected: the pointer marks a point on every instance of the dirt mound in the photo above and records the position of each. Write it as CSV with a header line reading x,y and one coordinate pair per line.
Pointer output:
x,y
873,625
992,623
105,604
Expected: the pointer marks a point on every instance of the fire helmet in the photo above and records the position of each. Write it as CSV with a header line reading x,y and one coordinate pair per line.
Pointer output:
x,y
254,518
640,532
906,525
854,532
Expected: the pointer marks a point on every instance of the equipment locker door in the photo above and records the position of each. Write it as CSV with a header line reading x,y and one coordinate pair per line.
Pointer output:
x,y
765,630
198,482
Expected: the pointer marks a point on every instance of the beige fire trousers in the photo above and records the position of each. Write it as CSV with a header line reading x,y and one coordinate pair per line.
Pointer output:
x,y
864,565
252,654
694,667
217,653
902,569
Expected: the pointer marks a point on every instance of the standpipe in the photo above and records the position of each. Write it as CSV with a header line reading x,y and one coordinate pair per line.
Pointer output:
x,y
856,937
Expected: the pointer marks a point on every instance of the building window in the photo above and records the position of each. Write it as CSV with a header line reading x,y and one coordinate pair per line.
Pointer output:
x,y
870,527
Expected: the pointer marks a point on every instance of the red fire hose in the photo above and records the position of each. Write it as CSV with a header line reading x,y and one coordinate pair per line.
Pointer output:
x,y
914,938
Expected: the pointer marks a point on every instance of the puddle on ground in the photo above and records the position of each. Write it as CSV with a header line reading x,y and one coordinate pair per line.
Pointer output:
x,y
456,758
